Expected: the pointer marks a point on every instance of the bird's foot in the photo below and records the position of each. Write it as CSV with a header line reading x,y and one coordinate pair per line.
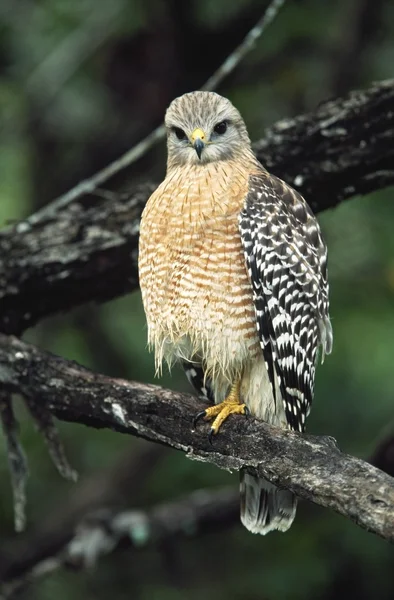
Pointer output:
x,y
220,412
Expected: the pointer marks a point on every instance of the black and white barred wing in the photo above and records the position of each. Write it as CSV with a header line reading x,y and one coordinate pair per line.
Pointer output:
x,y
287,264
197,378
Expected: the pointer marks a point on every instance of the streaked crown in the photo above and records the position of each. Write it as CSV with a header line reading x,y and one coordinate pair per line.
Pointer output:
x,y
204,127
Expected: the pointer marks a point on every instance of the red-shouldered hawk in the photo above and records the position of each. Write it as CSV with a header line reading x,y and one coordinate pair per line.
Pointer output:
x,y
234,283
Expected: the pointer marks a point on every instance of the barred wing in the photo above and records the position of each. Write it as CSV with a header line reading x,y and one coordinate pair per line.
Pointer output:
x,y
286,259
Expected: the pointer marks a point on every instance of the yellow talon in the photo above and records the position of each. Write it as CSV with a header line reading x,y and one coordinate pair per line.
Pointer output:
x,y
230,406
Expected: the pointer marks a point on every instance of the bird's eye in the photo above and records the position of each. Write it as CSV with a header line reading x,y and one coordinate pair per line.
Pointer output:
x,y
180,134
220,128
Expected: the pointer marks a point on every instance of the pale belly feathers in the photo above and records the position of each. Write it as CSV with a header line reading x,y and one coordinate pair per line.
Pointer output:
x,y
195,288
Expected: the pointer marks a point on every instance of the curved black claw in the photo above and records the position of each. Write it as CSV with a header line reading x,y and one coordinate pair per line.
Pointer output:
x,y
211,435
199,416
247,412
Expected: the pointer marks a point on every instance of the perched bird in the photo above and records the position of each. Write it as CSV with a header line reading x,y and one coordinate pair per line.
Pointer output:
x,y
233,274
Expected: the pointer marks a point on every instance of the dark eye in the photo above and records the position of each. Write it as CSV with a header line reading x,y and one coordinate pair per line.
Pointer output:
x,y
220,128
180,134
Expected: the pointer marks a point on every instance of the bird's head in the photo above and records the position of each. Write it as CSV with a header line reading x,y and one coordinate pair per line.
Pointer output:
x,y
204,127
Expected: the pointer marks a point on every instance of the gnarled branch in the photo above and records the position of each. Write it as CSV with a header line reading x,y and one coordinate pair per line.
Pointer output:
x,y
313,468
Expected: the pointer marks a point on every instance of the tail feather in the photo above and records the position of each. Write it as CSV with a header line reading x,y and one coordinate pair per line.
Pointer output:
x,y
264,507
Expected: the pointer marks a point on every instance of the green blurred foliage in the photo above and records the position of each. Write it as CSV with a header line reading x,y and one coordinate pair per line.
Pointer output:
x,y
68,106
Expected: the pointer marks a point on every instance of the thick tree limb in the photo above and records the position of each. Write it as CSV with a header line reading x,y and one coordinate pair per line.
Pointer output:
x,y
89,253
88,250
313,468
342,149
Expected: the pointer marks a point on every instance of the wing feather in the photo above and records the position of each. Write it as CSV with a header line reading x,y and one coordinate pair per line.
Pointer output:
x,y
286,259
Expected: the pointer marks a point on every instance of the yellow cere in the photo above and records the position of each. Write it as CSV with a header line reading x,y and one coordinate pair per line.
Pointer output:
x,y
198,133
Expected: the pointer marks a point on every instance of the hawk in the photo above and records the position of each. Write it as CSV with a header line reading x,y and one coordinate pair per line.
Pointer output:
x,y
233,275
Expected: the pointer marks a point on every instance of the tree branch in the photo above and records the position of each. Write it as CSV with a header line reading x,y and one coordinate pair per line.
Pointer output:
x,y
103,531
17,462
105,492
342,149
87,251
313,468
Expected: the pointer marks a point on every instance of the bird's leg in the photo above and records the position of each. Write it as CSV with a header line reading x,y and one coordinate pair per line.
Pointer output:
x,y
231,405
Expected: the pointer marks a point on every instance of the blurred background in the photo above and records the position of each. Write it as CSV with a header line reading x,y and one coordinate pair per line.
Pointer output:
x,y
81,82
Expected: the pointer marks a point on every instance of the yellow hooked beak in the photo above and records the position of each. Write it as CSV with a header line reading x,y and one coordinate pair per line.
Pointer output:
x,y
198,139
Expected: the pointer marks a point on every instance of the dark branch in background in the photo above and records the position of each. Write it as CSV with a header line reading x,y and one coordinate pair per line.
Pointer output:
x,y
87,251
313,468
108,492
338,151
16,459
103,531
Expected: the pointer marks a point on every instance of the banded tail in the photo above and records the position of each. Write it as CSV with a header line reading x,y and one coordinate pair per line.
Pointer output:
x,y
264,507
